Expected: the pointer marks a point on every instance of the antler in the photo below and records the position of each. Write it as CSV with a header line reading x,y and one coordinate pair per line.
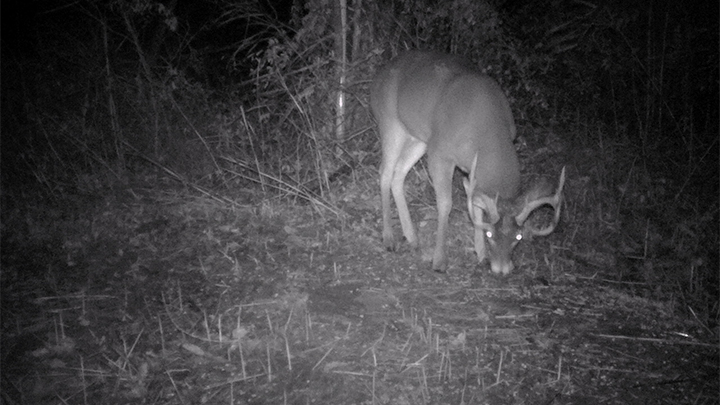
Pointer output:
x,y
553,200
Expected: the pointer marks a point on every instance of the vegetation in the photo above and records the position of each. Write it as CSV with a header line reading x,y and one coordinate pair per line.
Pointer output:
x,y
183,222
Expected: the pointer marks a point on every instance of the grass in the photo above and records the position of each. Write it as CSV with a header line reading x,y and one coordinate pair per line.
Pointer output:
x,y
153,295
175,230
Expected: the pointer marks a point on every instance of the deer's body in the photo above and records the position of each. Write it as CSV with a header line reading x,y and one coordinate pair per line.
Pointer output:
x,y
427,102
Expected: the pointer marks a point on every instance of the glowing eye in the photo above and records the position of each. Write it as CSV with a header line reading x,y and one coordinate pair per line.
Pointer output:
x,y
488,234
518,237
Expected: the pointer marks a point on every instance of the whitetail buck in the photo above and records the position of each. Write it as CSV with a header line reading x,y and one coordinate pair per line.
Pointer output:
x,y
439,104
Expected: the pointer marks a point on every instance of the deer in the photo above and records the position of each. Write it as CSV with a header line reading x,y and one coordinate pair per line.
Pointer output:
x,y
439,104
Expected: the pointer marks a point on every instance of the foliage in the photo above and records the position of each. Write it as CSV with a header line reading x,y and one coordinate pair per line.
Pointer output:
x,y
104,88
130,87
153,248
636,85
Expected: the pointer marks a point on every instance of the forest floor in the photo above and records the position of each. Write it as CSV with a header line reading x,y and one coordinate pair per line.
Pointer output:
x,y
167,297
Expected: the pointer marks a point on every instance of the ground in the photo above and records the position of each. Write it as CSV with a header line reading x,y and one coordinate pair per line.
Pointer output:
x,y
169,297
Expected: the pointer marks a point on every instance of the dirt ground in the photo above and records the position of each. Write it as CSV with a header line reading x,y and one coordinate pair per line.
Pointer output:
x,y
166,297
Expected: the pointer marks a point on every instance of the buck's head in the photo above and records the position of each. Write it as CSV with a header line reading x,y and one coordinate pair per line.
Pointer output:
x,y
503,223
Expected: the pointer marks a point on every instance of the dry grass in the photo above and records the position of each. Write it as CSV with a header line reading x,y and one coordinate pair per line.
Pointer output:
x,y
170,298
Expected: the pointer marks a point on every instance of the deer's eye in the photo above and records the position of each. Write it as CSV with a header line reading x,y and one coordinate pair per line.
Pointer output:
x,y
488,234
518,237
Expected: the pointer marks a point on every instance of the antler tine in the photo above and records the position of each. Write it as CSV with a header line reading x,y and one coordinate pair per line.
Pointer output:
x,y
553,200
